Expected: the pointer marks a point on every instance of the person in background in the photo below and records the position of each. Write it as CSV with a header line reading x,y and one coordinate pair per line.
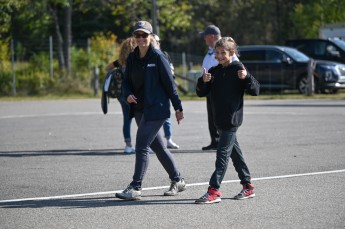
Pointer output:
x,y
149,87
225,84
167,126
211,35
126,47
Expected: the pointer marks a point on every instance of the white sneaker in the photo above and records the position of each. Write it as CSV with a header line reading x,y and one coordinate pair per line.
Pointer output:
x,y
129,194
175,187
172,145
129,150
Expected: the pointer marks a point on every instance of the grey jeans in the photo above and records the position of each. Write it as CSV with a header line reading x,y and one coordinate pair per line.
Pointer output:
x,y
148,135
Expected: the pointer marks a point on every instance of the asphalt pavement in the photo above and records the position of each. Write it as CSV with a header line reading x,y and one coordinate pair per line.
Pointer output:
x,y
62,161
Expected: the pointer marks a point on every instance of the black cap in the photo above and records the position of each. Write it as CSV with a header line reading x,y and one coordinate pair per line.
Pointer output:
x,y
144,26
211,29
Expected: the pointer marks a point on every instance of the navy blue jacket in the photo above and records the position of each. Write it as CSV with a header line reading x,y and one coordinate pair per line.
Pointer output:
x,y
159,85
226,92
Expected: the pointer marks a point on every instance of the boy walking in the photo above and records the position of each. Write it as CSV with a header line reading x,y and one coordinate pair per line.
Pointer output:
x,y
226,84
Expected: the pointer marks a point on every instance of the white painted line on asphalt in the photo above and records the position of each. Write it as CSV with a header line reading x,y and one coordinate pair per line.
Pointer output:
x,y
164,187
276,177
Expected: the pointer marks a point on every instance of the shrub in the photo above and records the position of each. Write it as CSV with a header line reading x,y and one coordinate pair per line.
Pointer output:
x,y
33,75
5,83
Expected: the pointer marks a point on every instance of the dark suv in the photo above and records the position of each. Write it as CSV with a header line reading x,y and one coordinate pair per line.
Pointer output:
x,y
322,49
281,67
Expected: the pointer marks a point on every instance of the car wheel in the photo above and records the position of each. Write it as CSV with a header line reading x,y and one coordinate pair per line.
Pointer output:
x,y
302,84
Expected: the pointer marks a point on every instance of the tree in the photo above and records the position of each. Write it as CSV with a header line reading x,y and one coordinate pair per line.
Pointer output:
x,y
174,17
7,10
64,8
180,21
311,15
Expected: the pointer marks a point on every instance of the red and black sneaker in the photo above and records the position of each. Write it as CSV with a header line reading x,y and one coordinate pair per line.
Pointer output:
x,y
246,192
211,196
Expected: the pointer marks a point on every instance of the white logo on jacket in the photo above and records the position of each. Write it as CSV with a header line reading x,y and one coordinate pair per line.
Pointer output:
x,y
151,65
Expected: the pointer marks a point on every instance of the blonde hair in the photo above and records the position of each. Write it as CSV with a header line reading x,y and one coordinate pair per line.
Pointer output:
x,y
228,43
126,47
155,41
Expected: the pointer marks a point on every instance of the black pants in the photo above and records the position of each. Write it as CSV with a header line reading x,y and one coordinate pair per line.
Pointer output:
x,y
211,127
228,147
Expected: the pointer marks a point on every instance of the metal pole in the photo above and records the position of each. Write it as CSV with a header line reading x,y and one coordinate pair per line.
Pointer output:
x,y
154,17
89,60
95,78
12,65
310,87
51,73
184,67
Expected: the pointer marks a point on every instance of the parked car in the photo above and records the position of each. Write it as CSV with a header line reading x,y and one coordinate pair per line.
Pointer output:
x,y
282,67
321,49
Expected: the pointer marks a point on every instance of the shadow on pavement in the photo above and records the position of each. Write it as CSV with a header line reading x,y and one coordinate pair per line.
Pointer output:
x,y
74,152
100,202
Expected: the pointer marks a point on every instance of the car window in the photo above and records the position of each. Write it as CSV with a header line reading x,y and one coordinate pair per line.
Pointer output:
x,y
296,55
320,48
255,55
340,43
274,56
306,47
331,49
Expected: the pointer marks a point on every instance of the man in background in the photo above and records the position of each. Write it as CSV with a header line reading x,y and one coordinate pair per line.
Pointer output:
x,y
211,35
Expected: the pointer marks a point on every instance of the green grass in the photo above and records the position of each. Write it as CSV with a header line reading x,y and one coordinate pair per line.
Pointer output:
x,y
189,96
47,97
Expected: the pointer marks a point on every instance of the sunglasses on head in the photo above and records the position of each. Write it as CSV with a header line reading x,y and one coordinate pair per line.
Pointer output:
x,y
141,35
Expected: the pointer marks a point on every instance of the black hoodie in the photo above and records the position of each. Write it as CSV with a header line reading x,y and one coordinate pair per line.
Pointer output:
x,y
226,92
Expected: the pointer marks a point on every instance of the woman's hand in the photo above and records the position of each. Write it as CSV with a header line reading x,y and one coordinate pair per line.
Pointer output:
x,y
131,99
179,116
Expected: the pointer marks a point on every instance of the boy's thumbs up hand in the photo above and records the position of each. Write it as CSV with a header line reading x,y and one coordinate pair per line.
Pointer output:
x,y
206,76
242,73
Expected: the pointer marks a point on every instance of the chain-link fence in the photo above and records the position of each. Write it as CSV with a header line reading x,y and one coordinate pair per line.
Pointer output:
x,y
35,65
